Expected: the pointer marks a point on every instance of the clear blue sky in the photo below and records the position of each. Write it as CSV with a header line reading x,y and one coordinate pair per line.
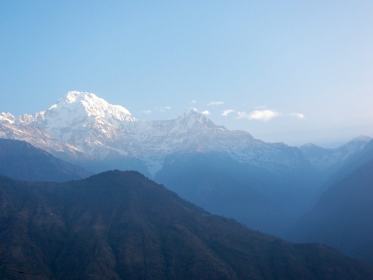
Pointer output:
x,y
309,57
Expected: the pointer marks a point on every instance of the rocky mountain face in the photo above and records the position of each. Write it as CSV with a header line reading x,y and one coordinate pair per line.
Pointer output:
x,y
120,225
20,160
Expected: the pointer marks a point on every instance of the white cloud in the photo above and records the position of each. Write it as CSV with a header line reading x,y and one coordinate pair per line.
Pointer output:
x,y
243,115
300,116
259,115
215,103
227,112
263,115
206,113
266,115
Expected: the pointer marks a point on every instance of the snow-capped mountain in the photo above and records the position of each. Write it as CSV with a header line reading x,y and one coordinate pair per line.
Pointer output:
x,y
82,126
85,110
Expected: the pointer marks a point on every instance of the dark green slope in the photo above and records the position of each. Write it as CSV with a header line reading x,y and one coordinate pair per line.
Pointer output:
x,y
120,225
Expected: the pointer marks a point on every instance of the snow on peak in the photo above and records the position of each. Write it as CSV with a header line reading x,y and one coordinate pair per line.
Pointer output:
x,y
74,95
195,115
83,108
7,117
83,119
93,106
196,119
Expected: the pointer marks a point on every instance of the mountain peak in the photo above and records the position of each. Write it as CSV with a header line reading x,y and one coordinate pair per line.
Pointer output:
x,y
93,106
196,119
362,139
7,117
74,95
194,114
118,174
83,120
358,143
79,108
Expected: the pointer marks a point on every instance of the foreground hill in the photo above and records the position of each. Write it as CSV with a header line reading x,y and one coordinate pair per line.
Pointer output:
x,y
120,225
23,161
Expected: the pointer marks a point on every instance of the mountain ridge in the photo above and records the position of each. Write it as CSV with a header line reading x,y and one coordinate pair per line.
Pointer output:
x,y
84,127
92,134
121,225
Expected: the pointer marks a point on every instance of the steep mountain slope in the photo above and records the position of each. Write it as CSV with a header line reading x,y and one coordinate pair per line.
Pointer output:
x,y
342,217
120,225
21,160
266,199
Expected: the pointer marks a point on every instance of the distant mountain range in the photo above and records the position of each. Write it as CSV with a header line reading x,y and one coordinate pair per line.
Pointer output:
x,y
20,160
82,126
267,186
120,225
332,159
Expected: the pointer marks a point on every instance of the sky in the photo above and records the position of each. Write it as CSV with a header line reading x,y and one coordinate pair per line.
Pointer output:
x,y
286,71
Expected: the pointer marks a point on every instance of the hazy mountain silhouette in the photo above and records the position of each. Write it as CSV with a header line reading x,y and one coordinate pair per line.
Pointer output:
x,y
120,225
21,160
342,217
265,198
356,161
